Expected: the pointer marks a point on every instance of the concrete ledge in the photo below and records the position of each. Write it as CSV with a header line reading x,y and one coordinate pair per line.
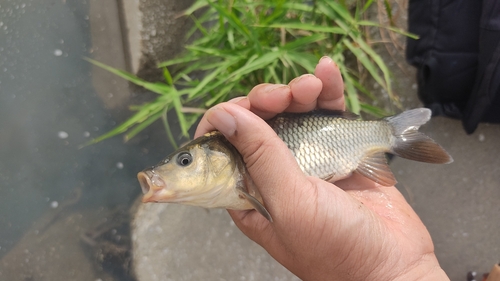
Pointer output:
x,y
134,35
131,22
153,32
108,47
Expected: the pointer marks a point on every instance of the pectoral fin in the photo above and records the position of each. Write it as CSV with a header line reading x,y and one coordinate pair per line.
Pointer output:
x,y
374,166
256,204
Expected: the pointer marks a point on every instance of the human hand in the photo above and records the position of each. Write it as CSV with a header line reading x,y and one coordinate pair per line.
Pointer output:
x,y
353,230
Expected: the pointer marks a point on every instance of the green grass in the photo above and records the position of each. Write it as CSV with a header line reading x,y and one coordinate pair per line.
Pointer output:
x,y
239,44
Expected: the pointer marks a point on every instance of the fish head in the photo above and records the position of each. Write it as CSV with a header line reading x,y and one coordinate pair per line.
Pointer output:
x,y
195,174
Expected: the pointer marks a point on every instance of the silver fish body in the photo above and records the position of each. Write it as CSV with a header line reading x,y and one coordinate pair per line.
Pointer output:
x,y
209,172
329,147
332,144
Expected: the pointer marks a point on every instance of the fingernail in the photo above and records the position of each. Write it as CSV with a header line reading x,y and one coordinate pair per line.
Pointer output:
x,y
326,58
271,87
237,99
221,120
295,80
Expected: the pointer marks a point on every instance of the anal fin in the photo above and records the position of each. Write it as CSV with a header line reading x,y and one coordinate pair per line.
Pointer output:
x,y
374,166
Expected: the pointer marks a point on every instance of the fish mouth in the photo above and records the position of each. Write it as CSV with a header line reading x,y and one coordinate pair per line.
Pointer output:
x,y
144,180
152,186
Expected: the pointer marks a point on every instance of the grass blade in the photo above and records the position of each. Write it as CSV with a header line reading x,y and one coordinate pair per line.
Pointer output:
x,y
159,88
388,10
383,67
167,128
367,5
235,22
306,26
352,94
342,12
307,61
145,112
124,74
375,111
304,41
194,7
365,61
141,126
222,93
391,28
181,118
362,89
168,77
182,59
258,63
270,75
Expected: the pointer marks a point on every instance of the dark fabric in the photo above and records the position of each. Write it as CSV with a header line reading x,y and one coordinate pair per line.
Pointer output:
x,y
484,103
457,57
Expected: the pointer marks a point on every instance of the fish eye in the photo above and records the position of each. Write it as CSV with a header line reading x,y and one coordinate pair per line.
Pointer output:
x,y
184,159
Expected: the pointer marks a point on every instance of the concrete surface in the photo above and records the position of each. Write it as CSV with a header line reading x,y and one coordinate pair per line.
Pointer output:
x,y
51,101
189,243
459,203
52,249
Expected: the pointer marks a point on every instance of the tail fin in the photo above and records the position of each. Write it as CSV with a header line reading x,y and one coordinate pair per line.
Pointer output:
x,y
412,144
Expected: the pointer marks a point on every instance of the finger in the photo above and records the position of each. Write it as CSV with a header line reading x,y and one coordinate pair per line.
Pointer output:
x,y
267,100
332,94
205,127
305,91
264,154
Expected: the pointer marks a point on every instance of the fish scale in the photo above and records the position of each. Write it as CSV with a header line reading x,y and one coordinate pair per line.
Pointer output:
x,y
329,146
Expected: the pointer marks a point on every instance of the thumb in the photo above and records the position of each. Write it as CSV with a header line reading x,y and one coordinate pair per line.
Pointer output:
x,y
269,162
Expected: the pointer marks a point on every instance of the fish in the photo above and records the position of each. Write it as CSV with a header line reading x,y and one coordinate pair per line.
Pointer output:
x,y
209,172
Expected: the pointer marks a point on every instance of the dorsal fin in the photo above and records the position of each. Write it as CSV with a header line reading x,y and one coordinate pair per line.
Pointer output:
x,y
374,166
409,120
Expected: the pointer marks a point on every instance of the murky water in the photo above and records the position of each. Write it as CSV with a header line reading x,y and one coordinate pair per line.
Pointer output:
x,y
48,108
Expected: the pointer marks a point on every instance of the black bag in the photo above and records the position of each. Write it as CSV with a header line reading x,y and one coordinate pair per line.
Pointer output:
x,y
457,57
